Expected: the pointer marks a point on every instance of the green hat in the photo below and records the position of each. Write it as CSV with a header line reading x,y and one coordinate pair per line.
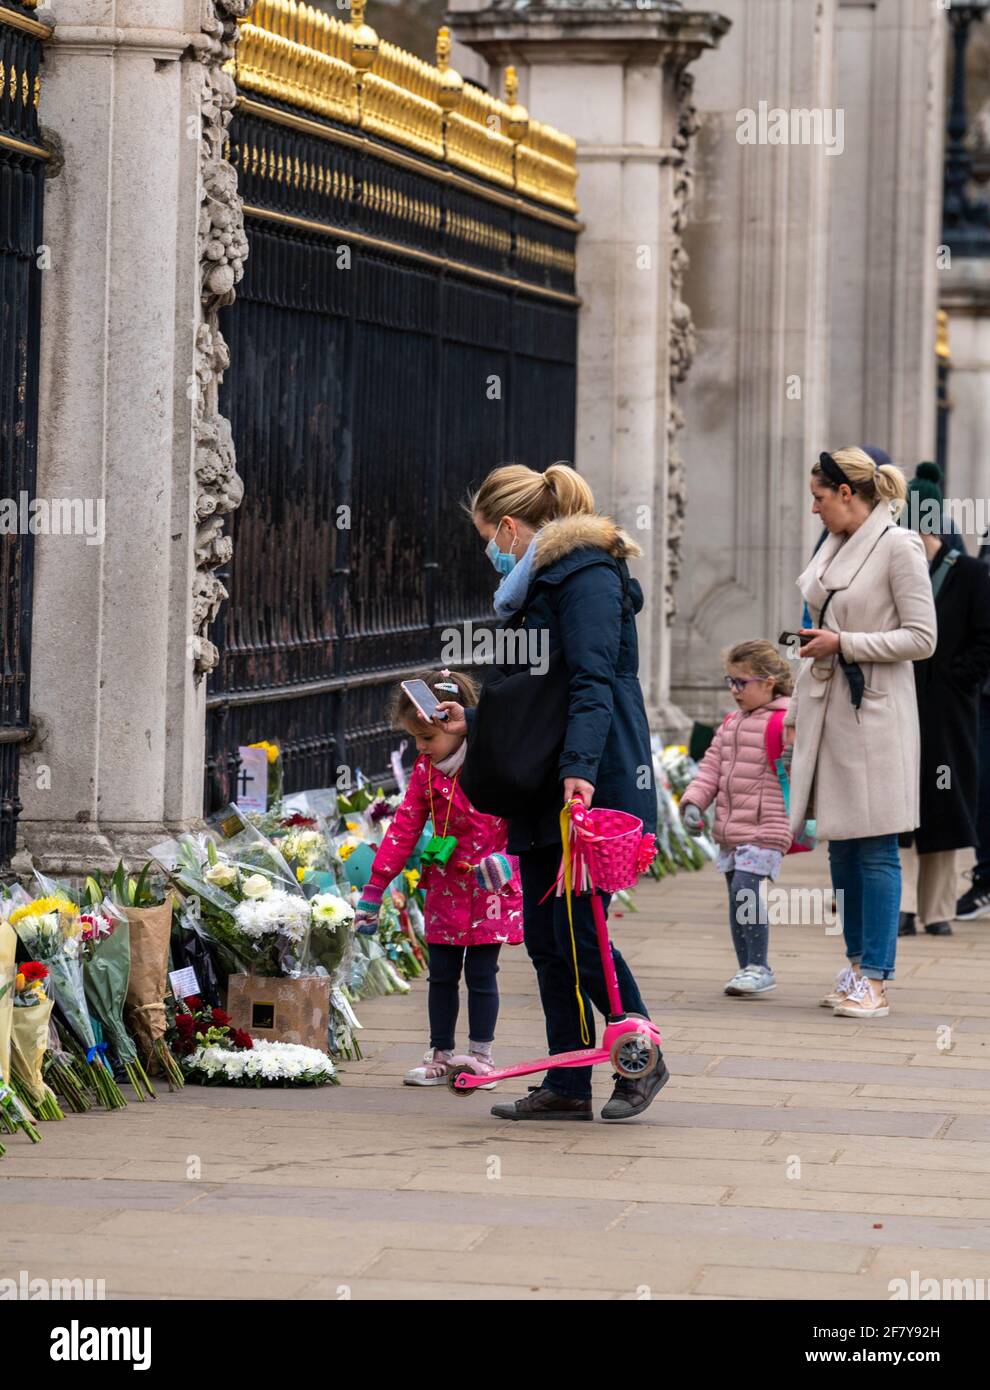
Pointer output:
x,y
924,502
927,482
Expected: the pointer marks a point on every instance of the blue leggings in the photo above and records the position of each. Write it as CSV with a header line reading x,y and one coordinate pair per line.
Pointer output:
x,y
480,964
748,918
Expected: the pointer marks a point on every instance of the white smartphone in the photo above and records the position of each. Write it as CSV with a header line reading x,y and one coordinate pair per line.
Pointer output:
x,y
424,700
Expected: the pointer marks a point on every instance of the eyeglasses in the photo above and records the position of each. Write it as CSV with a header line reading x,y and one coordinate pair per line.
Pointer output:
x,y
737,682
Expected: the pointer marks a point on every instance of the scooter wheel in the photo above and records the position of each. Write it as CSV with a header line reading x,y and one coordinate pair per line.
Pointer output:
x,y
633,1056
452,1076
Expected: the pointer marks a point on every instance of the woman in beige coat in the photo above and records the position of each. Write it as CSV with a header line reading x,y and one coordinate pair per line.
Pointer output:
x,y
856,753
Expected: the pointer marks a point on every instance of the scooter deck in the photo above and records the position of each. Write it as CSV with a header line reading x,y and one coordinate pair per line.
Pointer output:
x,y
585,1057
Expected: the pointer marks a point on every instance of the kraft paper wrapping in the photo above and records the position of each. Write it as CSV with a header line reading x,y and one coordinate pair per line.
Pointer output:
x,y
8,950
151,929
29,1043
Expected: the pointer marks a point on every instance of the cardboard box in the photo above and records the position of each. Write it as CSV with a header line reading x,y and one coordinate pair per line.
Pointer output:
x,y
290,1011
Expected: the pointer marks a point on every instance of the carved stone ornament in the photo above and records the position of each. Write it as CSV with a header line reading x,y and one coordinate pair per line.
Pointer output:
x,y
682,339
222,251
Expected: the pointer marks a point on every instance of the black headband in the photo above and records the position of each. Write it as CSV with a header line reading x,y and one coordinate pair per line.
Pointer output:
x,y
833,472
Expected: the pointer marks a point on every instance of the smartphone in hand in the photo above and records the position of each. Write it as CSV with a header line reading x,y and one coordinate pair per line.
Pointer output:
x,y
424,700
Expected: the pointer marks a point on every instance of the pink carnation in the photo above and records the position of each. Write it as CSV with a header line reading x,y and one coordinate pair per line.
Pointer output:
x,y
647,853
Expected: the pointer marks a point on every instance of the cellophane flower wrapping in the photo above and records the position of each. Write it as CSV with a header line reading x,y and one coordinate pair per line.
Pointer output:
x,y
195,947
29,1043
676,848
106,975
8,952
49,930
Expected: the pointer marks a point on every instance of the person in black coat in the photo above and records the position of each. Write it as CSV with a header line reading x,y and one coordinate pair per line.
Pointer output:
x,y
565,576
975,902
948,686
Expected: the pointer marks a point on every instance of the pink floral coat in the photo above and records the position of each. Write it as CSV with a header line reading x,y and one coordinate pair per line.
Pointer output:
x,y
459,911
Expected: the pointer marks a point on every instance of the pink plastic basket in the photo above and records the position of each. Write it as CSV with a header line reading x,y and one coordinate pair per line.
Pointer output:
x,y
608,848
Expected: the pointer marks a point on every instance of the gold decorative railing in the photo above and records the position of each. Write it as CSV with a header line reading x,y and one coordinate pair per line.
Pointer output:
x,y
296,54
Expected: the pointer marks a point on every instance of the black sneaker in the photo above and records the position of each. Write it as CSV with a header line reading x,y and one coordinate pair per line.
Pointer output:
x,y
906,925
630,1097
938,929
975,902
543,1104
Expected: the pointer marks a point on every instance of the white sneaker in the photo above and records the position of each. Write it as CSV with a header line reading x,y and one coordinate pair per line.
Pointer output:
x,y
433,1072
755,979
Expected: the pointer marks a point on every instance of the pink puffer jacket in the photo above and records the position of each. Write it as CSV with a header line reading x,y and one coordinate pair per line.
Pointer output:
x,y
749,809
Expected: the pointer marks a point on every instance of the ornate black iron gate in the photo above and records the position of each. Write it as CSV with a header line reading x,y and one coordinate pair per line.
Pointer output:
x,y
21,184
402,327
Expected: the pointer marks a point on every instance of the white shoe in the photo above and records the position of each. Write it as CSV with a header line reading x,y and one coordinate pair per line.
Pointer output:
x,y
755,979
844,982
433,1072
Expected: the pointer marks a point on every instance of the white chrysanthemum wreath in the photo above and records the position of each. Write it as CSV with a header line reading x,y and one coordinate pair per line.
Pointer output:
x,y
264,1064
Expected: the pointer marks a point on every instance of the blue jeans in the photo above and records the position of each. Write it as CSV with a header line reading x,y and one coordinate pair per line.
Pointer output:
x,y
548,942
867,873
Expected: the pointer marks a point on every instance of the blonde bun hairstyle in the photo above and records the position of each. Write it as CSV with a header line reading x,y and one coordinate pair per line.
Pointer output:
x,y
883,483
534,498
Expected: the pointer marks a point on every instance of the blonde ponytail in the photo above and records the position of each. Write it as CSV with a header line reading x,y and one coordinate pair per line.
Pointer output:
x,y
532,497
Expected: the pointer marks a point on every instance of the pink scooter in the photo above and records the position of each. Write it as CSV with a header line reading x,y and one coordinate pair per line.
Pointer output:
x,y
603,851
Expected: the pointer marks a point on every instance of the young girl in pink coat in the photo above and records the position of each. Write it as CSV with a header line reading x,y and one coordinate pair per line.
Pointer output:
x,y
751,824
473,901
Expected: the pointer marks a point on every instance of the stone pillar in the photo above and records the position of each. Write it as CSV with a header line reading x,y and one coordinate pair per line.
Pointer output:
x,y
143,242
965,297
756,402
885,218
615,75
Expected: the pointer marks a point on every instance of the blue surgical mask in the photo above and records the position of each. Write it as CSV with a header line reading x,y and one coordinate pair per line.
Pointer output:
x,y
503,562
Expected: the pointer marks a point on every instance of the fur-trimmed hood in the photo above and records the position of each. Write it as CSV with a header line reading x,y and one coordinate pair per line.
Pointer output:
x,y
558,538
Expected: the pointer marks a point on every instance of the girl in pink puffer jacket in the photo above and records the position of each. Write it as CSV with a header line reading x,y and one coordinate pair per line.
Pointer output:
x,y
751,823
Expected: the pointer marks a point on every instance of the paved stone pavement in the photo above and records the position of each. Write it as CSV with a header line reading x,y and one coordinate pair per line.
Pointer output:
x,y
793,1154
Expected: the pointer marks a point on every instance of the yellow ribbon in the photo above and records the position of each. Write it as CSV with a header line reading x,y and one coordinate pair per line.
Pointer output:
x,y
565,835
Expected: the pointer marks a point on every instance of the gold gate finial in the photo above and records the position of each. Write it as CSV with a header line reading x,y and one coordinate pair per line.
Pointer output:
x,y
451,81
364,44
518,116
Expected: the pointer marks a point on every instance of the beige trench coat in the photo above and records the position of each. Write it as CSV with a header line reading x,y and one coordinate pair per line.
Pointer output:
x,y
858,773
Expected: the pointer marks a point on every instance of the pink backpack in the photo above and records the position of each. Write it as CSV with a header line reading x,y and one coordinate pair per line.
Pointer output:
x,y
774,743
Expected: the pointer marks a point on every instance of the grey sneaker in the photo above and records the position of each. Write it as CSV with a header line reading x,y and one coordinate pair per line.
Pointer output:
x,y
755,979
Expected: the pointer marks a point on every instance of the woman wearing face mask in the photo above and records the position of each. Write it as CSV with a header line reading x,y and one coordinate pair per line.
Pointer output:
x,y
564,574
856,753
